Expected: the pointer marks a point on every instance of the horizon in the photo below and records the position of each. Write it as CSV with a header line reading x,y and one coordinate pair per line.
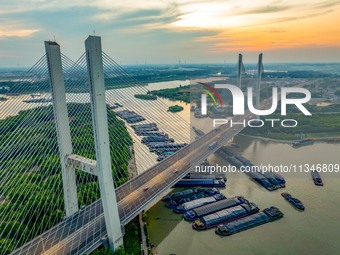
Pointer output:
x,y
25,68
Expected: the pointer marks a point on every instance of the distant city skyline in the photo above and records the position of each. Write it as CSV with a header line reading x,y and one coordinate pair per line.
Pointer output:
x,y
164,32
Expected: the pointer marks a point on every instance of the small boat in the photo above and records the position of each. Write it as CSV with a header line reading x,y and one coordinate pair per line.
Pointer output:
x,y
294,201
317,178
302,143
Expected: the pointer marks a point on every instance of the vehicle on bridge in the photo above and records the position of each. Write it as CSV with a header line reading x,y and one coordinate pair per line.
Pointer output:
x,y
213,145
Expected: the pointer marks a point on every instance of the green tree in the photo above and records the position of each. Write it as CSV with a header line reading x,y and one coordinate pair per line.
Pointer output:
x,y
337,93
5,246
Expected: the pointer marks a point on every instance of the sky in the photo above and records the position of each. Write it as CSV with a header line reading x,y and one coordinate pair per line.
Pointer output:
x,y
166,31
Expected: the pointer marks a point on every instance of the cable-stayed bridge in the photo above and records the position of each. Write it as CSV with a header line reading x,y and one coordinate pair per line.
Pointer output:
x,y
35,195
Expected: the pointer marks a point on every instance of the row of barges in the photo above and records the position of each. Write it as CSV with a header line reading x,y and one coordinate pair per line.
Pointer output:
x,y
156,141
227,215
269,180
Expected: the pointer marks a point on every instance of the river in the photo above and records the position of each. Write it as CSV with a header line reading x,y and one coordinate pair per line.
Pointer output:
x,y
314,231
174,124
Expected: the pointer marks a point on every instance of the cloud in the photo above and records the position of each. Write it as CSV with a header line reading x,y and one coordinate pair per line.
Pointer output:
x,y
267,9
325,4
307,16
17,32
9,29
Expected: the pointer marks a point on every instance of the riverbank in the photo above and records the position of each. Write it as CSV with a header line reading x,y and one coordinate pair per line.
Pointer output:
x,y
268,139
324,139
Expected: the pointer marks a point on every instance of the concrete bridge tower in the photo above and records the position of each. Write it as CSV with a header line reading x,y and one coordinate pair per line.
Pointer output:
x,y
258,83
240,70
102,166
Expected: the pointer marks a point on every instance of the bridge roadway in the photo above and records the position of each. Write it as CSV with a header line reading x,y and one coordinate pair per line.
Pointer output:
x,y
84,231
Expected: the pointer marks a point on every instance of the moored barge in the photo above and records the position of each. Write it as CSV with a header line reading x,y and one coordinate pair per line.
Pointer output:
x,y
226,215
197,203
200,182
267,215
196,213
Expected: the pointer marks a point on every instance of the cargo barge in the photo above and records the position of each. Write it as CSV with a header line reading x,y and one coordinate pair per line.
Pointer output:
x,y
279,178
273,179
180,198
205,175
316,178
302,143
200,182
269,180
238,164
262,180
197,203
141,126
180,194
294,201
173,203
267,215
130,116
214,207
226,215
38,100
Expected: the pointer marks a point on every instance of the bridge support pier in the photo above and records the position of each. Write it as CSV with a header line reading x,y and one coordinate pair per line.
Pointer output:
x,y
62,124
101,135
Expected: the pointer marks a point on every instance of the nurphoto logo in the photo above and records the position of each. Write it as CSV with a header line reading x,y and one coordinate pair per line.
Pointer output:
x,y
238,106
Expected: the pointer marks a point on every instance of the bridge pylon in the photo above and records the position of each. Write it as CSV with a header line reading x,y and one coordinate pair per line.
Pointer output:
x,y
62,124
240,70
258,83
100,129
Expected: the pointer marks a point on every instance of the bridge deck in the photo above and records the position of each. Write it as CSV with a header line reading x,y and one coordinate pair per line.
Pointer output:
x,y
86,228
